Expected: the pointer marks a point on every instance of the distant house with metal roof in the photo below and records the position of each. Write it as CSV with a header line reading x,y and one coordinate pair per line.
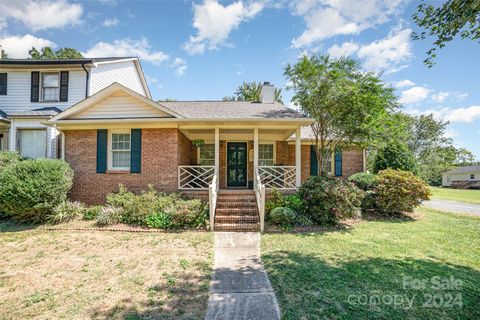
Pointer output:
x,y
462,177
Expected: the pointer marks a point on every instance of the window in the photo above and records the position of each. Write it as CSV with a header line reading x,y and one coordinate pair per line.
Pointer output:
x,y
3,84
120,151
50,86
472,176
207,155
265,155
32,143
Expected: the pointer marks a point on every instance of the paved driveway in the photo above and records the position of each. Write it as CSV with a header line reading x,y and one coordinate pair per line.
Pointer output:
x,y
453,206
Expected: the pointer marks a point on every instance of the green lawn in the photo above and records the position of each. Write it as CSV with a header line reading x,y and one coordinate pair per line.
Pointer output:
x,y
359,273
470,196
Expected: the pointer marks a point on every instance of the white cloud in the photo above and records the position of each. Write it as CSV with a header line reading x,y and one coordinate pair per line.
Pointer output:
x,y
452,95
127,47
404,83
463,115
110,22
154,81
389,54
345,50
41,15
18,46
328,18
414,95
180,66
214,22
450,133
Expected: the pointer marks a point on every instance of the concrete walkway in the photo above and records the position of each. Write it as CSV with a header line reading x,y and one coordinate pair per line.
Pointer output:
x,y
453,206
240,287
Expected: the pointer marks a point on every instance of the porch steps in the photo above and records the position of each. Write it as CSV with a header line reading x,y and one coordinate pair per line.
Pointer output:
x,y
236,211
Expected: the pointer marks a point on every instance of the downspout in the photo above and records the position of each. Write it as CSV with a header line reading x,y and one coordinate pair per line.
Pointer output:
x,y
87,80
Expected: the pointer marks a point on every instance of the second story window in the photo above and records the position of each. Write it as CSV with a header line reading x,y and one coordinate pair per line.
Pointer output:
x,y
3,84
50,86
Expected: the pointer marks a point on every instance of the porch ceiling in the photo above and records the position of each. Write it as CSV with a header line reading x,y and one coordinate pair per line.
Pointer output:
x,y
208,135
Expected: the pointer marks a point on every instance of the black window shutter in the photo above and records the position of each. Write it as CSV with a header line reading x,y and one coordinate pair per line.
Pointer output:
x,y
64,86
3,84
102,150
136,151
338,162
313,162
35,87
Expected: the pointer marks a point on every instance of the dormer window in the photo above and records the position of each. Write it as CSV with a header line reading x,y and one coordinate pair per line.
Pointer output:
x,y
50,86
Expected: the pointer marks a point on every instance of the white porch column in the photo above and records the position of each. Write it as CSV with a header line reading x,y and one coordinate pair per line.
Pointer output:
x,y
217,150
298,156
255,153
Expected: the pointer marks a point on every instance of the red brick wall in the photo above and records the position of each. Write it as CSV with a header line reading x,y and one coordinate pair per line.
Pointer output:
x,y
162,151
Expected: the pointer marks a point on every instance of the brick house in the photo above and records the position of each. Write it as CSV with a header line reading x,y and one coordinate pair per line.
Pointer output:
x,y
228,153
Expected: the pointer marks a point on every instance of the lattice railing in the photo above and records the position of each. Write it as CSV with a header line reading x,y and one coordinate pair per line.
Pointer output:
x,y
195,177
280,177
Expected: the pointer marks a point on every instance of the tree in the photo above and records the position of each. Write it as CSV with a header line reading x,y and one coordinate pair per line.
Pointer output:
x,y
394,156
348,105
252,91
446,22
464,157
48,53
3,53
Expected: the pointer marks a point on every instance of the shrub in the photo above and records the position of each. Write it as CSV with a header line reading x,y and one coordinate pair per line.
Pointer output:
x,y
394,156
364,180
399,191
275,200
188,213
8,157
294,202
31,189
109,215
160,220
303,221
136,208
328,199
283,216
66,211
91,213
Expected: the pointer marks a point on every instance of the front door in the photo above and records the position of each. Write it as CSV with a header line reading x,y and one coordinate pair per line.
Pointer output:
x,y
237,164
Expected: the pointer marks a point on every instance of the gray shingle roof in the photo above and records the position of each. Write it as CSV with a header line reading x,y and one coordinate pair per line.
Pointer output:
x,y
231,109
57,61
465,169
49,111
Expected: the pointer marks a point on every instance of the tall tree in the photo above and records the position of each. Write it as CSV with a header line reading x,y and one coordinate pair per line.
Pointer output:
x,y
47,53
348,105
447,21
252,91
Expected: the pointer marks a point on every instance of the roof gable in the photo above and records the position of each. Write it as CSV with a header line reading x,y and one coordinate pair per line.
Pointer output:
x,y
116,102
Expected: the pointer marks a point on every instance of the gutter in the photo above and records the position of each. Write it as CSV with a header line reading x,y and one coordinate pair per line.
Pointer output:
x,y
87,80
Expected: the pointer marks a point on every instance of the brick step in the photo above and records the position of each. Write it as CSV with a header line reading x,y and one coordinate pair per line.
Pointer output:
x,y
237,227
236,211
237,219
228,204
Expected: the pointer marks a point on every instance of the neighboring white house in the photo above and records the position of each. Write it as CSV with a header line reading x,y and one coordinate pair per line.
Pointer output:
x,y
33,91
466,175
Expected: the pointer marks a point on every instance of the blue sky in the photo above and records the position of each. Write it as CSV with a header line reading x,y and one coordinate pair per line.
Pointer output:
x,y
204,49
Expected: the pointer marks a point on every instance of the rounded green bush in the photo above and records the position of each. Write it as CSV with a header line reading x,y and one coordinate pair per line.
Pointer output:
x,y
395,156
399,191
8,157
328,199
31,189
160,220
364,180
283,216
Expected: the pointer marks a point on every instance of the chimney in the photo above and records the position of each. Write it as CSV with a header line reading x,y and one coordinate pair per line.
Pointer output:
x,y
268,93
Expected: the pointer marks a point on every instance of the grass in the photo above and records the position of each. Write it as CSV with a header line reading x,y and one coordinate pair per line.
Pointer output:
x,y
360,273
470,196
103,275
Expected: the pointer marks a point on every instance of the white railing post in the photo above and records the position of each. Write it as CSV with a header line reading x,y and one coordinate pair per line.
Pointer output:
x,y
212,199
255,152
259,189
298,157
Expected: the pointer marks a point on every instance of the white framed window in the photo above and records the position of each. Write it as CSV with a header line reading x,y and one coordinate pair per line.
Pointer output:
x,y
266,155
119,150
207,155
50,86
32,143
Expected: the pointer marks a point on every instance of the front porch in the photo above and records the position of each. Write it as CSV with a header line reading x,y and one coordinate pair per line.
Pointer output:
x,y
256,159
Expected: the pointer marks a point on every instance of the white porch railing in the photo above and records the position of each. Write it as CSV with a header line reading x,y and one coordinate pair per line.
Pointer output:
x,y
259,189
212,199
195,177
280,177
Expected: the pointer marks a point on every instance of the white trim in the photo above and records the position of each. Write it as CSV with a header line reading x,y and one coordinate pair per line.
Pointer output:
x,y
226,163
110,151
217,151
298,156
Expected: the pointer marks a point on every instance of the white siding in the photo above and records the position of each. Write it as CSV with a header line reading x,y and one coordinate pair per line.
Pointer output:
x,y
52,134
120,105
18,92
448,178
124,73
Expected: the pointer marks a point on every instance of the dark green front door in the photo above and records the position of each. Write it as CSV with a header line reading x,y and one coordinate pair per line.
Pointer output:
x,y
236,164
